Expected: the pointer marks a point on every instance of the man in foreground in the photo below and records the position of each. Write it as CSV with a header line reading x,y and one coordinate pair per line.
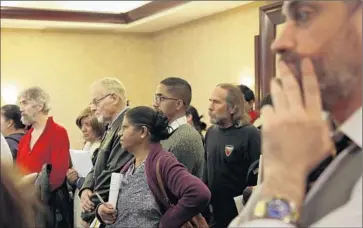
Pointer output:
x,y
321,68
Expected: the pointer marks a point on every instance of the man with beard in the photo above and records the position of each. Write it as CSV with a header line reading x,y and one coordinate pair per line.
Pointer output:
x,y
232,144
109,105
46,142
321,68
173,97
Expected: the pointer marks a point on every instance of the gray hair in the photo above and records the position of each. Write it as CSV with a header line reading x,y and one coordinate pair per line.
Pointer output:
x,y
38,95
112,85
236,100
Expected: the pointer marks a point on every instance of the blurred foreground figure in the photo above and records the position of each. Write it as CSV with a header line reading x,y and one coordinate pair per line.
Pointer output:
x,y
18,205
321,68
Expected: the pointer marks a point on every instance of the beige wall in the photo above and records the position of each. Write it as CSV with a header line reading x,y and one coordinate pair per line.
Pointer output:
x,y
209,51
66,64
205,52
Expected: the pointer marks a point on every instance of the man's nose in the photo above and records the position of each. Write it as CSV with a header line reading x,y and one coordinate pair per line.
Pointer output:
x,y
285,42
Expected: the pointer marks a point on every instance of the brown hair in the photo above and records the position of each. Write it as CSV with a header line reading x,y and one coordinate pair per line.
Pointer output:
x,y
97,127
236,100
19,200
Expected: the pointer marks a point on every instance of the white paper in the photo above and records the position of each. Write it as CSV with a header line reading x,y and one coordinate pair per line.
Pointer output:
x,y
81,161
259,175
115,185
238,203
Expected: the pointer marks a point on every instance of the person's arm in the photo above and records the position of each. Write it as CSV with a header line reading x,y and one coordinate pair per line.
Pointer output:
x,y
254,145
183,154
59,159
89,182
205,169
6,155
114,160
79,182
192,193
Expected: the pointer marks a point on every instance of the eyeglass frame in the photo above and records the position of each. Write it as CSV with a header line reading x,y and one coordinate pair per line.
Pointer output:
x,y
98,100
158,98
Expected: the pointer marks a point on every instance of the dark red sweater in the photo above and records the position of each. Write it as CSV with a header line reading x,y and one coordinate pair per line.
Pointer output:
x,y
189,194
52,148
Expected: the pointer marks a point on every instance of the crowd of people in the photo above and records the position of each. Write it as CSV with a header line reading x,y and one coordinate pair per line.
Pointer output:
x,y
176,172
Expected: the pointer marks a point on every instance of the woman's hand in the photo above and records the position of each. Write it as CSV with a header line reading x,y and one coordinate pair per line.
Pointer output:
x,y
107,213
72,176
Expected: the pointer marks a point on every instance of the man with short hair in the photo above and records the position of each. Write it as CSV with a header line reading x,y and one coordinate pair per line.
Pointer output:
x,y
46,141
109,102
232,144
321,69
173,97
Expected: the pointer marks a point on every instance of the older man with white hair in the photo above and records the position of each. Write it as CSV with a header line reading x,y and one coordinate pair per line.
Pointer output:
x,y
109,104
46,142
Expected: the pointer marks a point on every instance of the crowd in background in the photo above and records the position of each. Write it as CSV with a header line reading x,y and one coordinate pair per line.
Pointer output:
x,y
176,172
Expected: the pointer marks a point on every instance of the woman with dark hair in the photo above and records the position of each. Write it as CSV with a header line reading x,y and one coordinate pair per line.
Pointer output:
x,y
11,126
141,201
194,120
267,100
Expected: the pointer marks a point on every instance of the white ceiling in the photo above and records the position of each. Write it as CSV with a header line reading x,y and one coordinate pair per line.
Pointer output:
x,y
87,6
178,15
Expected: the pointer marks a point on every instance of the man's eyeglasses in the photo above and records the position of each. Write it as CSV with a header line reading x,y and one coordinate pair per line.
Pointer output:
x,y
159,98
96,101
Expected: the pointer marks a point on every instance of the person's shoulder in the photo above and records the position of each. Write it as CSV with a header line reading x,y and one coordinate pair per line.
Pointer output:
x,y
250,129
59,128
188,134
212,129
166,157
60,131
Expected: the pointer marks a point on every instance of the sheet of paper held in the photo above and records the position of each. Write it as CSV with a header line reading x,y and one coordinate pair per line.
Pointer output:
x,y
81,161
115,185
260,171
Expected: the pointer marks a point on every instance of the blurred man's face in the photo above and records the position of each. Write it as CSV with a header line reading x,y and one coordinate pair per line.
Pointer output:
x,y
219,111
102,104
29,110
330,34
165,102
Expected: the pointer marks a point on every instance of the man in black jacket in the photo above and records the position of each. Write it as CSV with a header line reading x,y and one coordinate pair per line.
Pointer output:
x,y
109,100
232,145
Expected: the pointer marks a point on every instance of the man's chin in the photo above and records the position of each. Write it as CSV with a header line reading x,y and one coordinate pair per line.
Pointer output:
x,y
26,122
100,119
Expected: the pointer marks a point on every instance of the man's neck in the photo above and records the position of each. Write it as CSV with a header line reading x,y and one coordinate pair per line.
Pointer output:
x,y
40,122
225,125
347,107
177,116
118,110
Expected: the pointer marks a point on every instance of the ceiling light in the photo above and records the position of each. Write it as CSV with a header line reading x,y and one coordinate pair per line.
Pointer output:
x,y
90,6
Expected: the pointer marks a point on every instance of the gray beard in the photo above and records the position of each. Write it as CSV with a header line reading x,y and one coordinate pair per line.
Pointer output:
x,y
27,120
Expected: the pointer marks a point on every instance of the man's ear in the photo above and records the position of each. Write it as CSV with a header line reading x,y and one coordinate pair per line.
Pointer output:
x,y
231,109
40,107
179,104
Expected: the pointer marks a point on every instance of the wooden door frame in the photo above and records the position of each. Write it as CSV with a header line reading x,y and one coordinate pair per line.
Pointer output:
x,y
270,17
